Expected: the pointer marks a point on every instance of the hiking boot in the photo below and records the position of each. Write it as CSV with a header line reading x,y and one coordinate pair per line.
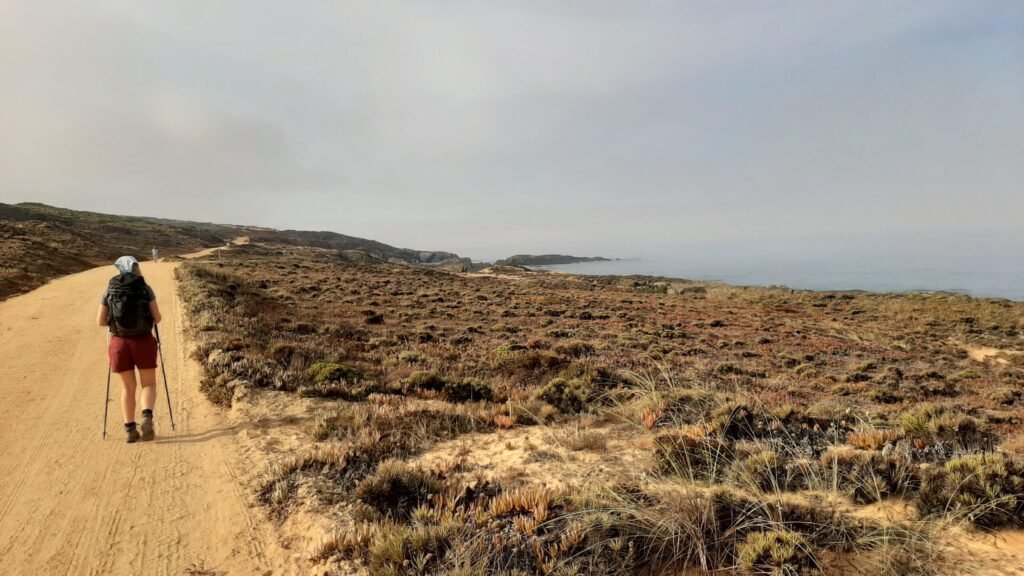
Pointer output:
x,y
133,433
147,428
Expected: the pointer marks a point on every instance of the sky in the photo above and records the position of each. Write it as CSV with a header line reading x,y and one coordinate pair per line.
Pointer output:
x,y
490,128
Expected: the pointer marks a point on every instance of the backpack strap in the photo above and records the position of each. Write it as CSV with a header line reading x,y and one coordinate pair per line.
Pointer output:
x,y
110,311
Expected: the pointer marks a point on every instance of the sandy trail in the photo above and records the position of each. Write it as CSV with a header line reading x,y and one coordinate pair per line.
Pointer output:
x,y
71,503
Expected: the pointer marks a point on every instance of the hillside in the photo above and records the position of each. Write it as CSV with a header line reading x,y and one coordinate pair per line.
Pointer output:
x,y
335,241
40,242
546,260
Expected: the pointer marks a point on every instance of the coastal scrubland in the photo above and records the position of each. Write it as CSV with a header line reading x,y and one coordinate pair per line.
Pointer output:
x,y
39,242
532,423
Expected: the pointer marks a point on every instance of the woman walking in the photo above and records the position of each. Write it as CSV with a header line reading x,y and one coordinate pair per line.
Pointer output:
x,y
129,309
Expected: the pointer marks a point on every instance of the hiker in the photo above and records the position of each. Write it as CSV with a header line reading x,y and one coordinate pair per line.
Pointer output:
x,y
128,308
156,255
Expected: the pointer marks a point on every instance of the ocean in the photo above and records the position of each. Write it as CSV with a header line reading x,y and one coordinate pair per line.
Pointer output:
x,y
975,275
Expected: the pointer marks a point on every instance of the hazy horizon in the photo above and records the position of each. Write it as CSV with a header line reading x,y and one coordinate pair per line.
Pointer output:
x,y
487,129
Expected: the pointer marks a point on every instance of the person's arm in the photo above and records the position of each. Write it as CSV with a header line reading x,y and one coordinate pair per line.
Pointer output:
x,y
154,311
101,315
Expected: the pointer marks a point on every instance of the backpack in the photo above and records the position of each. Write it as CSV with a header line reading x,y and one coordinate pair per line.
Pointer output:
x,y
128,306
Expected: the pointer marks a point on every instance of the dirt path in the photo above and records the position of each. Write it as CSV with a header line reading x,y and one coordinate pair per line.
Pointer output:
x,y
71,503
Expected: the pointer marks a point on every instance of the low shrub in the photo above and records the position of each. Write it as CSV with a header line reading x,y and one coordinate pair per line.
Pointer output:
x,y
694,458
400,550
342,390
575,349
333,372
776,552
730,369
529,366
467,390
285,353
569,396
873,438
425,380
1004,395
929,423
986,489
869,476
412,357
395,489
761,471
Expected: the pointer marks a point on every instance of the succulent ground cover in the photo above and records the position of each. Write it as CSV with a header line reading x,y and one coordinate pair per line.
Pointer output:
x,y
629,425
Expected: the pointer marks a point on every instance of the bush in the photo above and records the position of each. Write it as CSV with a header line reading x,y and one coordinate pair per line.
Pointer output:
x,y
341,390
704,458
425,380
467,390
1004,395
398,548
987,489
538,344
730,369
405,429
533,412
332,372
412,357
507,349
527,364
396,489
575,349
930,423
684,406
776,552
283,352
885,396
303,328
867,438
569,396
764,471
868,476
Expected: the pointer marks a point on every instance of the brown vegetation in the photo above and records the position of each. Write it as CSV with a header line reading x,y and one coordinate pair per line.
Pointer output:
x,y
39,243
766,418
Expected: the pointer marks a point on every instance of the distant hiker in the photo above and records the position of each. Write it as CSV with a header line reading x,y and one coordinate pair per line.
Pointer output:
x,y
156,255
128,308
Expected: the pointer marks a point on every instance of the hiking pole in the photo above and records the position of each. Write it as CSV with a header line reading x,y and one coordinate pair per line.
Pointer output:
x,y
106,399
167,391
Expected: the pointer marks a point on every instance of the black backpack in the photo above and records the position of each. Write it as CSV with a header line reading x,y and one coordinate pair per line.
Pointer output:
x,y
128,306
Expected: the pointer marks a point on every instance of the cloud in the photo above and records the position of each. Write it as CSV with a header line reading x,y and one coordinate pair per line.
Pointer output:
x,y
490,127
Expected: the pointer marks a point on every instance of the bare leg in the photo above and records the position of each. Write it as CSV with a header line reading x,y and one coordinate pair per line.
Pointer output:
x,y
148,378
127,395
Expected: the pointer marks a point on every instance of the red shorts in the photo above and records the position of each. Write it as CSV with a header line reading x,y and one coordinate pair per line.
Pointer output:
x,y
130,353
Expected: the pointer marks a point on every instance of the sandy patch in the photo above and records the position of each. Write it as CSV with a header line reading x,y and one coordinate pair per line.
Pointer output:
x,y
542,455
485,274
985,353
998,553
